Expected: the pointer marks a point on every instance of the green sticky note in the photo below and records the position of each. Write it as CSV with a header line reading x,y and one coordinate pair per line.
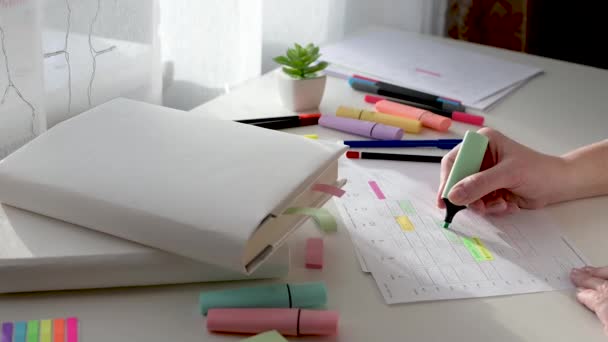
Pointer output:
x,y
323,218
33,331
407,207
269,336
468,160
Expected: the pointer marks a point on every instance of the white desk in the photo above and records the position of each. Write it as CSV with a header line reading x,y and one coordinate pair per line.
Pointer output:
x,y
558,111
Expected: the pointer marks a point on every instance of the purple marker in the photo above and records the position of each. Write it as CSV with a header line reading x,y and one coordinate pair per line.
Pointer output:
x,y
359,127
7,332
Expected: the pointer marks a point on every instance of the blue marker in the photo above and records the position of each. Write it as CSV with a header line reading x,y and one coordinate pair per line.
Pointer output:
x,y
446,144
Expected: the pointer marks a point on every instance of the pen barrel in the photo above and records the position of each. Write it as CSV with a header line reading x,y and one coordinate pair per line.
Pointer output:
x,y
428,119
292,322
304,295
468,160
362,128
408,125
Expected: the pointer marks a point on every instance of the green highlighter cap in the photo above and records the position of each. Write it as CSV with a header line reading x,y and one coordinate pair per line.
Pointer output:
x,y
468,161
306,295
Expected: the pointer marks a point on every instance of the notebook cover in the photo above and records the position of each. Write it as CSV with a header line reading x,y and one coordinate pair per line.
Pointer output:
x,y
165,178
38,253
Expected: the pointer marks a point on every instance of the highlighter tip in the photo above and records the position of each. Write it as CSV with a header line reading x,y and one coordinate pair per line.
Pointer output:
x,y
446,225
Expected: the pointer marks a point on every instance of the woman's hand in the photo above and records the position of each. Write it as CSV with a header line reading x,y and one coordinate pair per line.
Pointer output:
x,y
512,176
592,284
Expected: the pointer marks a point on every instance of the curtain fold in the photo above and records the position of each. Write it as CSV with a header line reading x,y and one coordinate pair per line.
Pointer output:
x,y
62,57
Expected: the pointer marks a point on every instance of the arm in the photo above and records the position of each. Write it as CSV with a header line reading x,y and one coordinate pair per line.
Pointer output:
x,y
586,172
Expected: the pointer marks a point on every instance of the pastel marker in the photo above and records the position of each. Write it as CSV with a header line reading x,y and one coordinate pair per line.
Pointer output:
x,y
59,330
20,332
71,329
408,125
428,119
46,330
7,332
362,128
291,322
304,295
468,161
33,331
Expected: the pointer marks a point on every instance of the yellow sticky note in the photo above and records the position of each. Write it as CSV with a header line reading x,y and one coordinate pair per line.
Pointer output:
x,y
405,223
269,336
311,136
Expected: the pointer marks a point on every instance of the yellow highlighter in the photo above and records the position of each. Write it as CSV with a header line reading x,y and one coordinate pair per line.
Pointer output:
x,y
408,125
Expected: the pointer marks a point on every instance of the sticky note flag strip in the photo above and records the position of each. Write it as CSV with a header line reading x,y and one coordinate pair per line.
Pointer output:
x,y
33,331
324,219
7,332
46,330
19,332
269,336
72,329
59,330
328,189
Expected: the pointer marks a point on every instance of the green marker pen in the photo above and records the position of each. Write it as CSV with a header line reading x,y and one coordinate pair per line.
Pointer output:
x,y
468,161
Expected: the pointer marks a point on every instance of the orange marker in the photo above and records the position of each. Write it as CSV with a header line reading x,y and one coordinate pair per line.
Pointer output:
x,y
428,119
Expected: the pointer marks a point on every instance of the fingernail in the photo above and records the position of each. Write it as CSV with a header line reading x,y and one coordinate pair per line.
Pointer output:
x,y
458,195
587,269
576,271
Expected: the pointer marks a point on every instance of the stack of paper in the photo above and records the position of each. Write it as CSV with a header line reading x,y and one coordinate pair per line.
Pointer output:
x,y
397,230
422,63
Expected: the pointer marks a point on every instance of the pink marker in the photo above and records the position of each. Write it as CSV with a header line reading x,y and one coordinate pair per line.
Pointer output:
x,y
292,322
314,253
456,116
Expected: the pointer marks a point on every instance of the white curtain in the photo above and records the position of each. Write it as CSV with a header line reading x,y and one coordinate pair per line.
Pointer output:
x,y
61,57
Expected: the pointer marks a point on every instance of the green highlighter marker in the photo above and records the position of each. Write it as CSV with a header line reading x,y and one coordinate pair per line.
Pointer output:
x,y
468,161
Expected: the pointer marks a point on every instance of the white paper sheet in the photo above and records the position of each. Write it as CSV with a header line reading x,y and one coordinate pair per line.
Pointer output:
x,y
409,60
399,236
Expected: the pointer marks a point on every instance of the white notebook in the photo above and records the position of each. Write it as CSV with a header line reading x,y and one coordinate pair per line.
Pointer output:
x,y
211,190
38,253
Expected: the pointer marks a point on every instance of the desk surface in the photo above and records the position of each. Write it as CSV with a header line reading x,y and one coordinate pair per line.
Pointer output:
x,y
558,111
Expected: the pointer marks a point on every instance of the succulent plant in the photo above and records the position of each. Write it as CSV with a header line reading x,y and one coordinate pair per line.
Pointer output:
x,y
299,62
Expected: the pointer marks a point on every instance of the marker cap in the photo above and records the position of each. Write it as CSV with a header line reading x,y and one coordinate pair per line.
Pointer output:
x,y
468,118
362,128
314,322
408,125
308,295
468,160
428,119
293,322
304,295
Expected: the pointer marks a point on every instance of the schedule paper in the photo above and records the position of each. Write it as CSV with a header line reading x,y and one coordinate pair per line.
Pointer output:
x,y
397,230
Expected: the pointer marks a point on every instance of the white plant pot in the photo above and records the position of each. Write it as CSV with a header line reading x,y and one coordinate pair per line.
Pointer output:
x,y
300,95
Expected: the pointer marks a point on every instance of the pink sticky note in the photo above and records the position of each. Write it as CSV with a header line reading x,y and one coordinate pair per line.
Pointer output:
x,y
314,253
328,189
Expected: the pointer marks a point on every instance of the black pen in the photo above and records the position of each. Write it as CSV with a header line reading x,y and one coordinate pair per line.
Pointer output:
x,y
393,156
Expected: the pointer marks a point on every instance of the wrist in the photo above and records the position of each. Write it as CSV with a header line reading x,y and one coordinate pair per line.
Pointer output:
x,y
563,182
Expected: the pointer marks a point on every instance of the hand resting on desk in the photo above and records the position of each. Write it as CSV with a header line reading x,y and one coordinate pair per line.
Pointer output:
x,y
514,176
